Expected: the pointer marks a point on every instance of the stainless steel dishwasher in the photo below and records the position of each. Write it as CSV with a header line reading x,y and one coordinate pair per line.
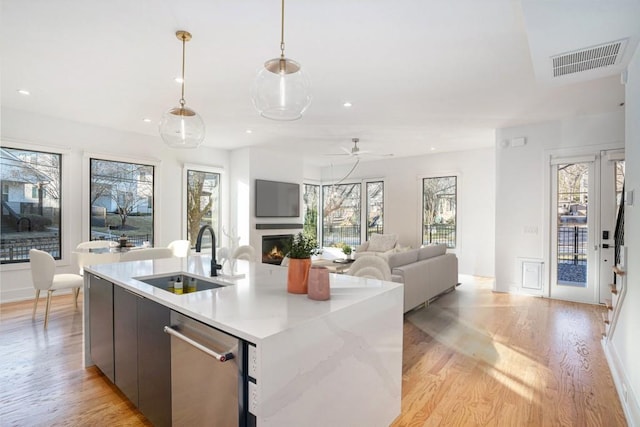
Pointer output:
x,y
207,375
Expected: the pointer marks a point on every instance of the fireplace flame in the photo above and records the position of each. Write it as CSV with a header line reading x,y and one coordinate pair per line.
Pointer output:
x,y
275,253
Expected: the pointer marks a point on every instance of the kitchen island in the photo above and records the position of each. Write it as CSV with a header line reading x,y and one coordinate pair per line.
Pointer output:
x,y
336,362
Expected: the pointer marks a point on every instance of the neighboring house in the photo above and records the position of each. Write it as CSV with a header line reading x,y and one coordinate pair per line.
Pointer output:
x,y
122,186
29,184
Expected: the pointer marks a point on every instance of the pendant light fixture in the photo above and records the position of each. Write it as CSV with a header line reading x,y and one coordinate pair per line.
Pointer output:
x,y
181,127
281,90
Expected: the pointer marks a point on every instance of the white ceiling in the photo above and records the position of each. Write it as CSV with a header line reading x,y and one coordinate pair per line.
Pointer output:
x,y
423,76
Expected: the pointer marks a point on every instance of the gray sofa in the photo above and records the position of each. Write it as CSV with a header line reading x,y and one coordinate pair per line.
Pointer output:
x,y
426,273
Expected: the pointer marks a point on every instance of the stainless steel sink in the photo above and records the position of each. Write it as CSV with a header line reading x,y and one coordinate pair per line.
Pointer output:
x,y
190,284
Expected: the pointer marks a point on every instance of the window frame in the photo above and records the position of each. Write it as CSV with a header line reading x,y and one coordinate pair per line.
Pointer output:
x,y
364,205
421,224
186,167
319,202
65,189
86,185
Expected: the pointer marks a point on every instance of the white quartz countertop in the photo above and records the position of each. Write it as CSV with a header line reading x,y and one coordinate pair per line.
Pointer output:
x,y
252,307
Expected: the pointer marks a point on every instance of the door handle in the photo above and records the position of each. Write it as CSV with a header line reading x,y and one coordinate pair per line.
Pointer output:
x,y
219,357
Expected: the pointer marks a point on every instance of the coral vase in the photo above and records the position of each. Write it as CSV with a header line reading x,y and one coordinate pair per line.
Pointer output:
x,y
298,275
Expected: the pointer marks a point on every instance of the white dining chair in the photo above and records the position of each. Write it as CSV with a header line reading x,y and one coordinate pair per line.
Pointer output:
x,y
43,268
85,257
143,254
245,252
180,248
370,266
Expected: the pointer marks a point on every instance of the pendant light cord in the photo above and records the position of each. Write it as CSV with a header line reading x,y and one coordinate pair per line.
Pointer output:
x,y
184,41
282,31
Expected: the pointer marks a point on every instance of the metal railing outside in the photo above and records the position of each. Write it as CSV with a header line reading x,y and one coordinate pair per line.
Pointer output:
x,y
349,234
14,249
440,233
572,244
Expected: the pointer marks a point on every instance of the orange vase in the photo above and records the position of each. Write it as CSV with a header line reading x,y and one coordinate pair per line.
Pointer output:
x,y
298,275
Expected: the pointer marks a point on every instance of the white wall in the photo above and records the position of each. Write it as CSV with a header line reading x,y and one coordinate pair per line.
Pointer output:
x,y
247,165
625,346
476,200
521,181
74,139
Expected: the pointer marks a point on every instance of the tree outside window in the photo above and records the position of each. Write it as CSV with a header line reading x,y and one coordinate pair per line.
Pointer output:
x,y
31,217
121,197
203,204
341,213
311,202
439,210
375,208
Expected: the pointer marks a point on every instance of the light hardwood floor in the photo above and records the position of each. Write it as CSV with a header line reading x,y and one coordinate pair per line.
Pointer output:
x,y
472,358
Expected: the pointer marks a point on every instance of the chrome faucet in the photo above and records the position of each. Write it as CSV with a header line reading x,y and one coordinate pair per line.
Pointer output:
x,y
214,264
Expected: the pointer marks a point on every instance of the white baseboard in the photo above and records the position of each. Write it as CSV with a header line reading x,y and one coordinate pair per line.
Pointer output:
x,y
14,295
630,404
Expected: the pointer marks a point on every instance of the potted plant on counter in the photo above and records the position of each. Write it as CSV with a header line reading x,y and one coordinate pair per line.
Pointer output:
x,y
299,249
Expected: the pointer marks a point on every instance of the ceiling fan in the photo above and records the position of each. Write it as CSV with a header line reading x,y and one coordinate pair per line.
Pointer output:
x,y
356,152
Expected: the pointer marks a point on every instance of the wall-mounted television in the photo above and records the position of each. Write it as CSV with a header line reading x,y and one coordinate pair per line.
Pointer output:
x,y
277,199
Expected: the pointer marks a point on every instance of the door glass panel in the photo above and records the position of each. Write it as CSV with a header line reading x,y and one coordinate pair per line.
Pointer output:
x,y
572,219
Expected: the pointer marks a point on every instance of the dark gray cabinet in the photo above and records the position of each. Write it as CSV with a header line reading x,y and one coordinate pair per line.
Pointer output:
x,y
125,342
101,325
154,362
143,354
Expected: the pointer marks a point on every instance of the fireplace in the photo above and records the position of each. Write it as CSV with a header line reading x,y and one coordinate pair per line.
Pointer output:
x,y
273,248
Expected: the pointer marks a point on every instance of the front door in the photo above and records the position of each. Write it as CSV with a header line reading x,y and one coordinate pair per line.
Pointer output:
x,y
573,230
585,195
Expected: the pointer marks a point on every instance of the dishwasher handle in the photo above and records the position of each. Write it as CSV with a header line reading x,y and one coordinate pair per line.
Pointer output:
x,y
219,357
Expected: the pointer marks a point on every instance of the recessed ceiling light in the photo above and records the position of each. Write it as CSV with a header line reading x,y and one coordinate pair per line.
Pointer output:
x,y
178,80
146,120
248,131
433,148
24,92
347,104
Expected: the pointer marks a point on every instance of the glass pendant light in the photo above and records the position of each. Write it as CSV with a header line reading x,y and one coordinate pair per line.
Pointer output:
x,y
181,127
281,90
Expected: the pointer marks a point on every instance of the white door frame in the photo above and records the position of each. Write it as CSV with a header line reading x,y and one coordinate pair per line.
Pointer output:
x,y
608,212
547,241
590,292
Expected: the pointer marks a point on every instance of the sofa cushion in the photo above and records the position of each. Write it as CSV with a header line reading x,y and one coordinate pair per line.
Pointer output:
x,y
430,251
382,242
401,258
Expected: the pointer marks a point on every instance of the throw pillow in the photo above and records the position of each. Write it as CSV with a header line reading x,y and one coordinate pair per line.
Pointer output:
x,y
382,242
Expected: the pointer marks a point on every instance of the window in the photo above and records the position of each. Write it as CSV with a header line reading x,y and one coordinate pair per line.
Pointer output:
x,y
121,200
375,208
341,216
31,191
311,203
203,204
439,210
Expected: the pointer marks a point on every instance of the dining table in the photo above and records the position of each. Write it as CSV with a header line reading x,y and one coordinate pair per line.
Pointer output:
x,y
94,256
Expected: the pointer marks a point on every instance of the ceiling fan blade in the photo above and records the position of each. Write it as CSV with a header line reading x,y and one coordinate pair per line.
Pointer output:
x,y
346,150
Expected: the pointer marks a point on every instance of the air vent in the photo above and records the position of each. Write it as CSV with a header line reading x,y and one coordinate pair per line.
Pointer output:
x,y
588,59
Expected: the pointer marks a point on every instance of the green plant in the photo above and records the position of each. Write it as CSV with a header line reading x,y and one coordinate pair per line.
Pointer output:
x,y
301,246
346,249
